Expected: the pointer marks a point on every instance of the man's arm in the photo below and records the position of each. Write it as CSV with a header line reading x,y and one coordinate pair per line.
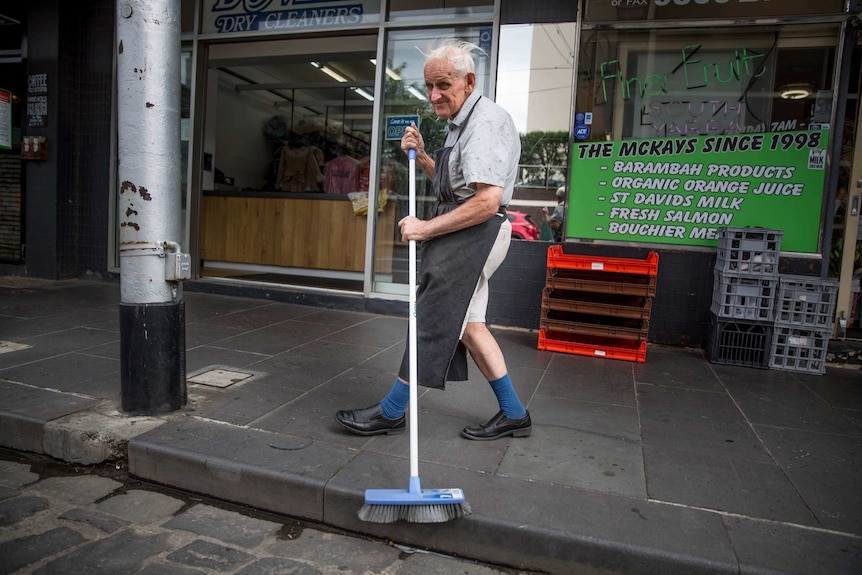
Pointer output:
x,y
413,139
425,163
551,220
475,210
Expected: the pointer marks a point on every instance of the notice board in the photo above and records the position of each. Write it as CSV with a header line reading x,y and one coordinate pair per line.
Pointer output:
x,y
679,191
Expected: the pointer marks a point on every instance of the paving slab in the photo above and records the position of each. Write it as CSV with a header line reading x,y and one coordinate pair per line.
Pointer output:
x,y
26,550
227,526
124,552
78,491
210,556
15,509
140,506
338,552
101,521
769,547
15,475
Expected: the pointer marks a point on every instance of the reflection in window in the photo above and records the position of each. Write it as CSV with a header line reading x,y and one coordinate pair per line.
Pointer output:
x,y
534,84
405,99
676,148
669,83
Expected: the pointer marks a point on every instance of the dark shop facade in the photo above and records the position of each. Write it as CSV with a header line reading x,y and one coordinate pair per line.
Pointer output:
x,y
665,121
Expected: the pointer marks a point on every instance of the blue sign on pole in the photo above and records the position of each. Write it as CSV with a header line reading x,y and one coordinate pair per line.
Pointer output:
x,y
395,126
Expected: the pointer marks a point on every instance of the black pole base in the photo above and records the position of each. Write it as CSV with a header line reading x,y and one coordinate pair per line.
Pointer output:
x,y
153,357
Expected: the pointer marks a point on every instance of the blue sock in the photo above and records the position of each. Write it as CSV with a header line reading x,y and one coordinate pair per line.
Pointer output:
x,y
396,402
508,399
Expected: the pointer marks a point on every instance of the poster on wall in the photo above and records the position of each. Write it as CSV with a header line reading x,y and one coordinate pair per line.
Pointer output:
x,y
5,119
682,190
37,100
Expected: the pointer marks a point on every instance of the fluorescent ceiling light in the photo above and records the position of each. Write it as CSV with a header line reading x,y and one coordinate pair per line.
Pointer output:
x,y
795,91
416,93
389,71
329,72
364,94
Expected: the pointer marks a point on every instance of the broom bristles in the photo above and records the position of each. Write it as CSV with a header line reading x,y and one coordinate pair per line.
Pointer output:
x,y
432,513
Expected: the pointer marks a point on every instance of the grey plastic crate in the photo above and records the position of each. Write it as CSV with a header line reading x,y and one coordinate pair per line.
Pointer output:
x,y
739,342
742,296
799,349
806,301
749,251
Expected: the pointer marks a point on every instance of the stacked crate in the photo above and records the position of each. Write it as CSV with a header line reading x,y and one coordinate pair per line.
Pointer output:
x,y
742,314
804,309
597,306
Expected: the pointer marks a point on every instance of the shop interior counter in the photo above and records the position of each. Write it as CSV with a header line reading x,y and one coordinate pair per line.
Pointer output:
x,y
262,227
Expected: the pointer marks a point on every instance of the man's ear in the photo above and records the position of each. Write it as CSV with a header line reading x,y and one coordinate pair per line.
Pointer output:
x,y
471,82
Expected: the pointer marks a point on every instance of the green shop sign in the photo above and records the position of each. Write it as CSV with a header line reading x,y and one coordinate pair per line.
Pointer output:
x,y
681,190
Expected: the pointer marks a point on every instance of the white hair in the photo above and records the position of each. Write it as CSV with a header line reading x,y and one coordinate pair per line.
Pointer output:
x,y
459,53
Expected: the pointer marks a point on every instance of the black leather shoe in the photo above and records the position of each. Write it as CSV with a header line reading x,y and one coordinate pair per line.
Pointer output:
x,y
369,421
499,426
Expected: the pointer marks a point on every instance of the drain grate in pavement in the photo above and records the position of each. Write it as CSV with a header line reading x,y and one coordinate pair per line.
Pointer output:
x,y
7,346
219,377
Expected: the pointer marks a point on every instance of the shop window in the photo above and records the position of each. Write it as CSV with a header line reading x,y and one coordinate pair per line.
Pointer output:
x,y
670,84
286,130
405,100
680,132
534,84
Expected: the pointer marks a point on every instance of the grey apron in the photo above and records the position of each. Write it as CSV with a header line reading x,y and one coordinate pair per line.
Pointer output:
x,y
449,269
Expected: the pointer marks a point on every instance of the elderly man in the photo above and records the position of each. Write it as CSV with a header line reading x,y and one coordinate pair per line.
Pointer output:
x,y
461,247
555,219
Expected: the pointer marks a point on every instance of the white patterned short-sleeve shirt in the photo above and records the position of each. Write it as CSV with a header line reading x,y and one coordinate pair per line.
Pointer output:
x,y
486,148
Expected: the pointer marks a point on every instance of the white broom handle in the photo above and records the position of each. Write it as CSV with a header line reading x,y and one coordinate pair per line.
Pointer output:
x,y
412,343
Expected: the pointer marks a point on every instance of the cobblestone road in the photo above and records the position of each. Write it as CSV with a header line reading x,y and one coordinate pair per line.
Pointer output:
x,y
57,519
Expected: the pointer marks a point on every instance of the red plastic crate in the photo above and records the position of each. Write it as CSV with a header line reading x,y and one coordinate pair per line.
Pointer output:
x,y
614,305
601,282
557,259
608,348
593,325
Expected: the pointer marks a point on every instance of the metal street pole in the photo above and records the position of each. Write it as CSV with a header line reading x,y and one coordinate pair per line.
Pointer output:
x,y
152,312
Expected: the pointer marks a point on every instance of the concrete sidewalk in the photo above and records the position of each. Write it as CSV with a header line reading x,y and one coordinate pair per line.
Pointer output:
x,y
675,465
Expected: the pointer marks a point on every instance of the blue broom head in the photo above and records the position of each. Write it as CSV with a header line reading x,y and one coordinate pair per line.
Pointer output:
x,y
411,497
415,505
414,495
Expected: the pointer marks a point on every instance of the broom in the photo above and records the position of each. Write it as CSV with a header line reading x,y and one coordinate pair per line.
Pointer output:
x,y
414,505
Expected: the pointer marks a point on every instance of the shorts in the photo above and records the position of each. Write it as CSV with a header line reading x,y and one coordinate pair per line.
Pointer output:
x,y
479,302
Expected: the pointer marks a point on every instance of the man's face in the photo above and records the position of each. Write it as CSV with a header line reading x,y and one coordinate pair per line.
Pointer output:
x,y
447,91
